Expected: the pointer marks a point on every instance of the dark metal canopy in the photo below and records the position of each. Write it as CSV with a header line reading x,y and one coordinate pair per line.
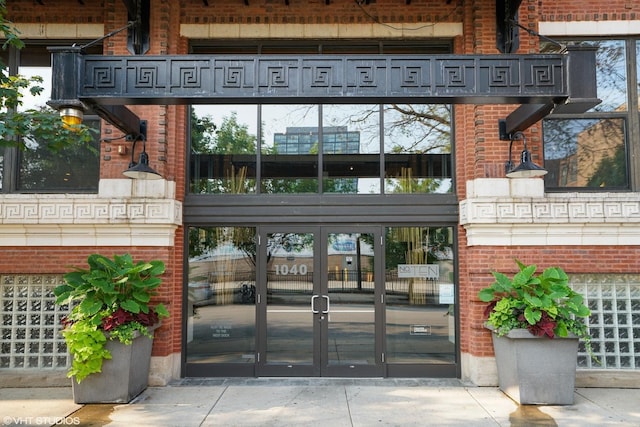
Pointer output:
x,y
541,83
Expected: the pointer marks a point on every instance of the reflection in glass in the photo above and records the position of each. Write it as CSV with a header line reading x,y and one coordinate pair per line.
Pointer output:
x,y
585,153
417,154
289,298
417,148
611,71
351,149
638,70
223,149
1,167
74,168
419,287
351,293
290,149
221,295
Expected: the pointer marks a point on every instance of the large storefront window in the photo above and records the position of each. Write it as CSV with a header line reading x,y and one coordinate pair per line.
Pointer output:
x,y
351,149
223,149
332,149
417,148
220,314
289,153
592,150
38,169
419,284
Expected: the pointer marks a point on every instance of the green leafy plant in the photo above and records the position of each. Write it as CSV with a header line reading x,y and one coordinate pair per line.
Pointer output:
x,y
110,300
31,128
544,304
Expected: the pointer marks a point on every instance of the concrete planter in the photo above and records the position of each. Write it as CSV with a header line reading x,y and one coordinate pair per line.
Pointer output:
x,y
122,378
536,370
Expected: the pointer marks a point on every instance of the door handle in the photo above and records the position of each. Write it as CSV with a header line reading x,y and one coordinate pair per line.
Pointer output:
x,y
327,310
313,305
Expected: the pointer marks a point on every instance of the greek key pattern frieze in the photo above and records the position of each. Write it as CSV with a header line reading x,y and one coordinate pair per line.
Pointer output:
x,y
550,211
442,77
88,211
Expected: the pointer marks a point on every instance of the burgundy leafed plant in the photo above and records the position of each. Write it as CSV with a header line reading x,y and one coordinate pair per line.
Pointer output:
x,y
111,300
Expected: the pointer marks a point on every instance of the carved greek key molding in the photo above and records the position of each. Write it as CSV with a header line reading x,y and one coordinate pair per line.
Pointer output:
x,y
441,78
601,219
77,220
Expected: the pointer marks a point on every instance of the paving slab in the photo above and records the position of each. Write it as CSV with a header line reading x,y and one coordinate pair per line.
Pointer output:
x,y
416,407
167,406
36,406
280,406
594,407
336,402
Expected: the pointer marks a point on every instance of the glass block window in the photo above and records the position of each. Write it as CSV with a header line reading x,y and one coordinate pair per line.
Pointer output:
x,y
614,324
30,328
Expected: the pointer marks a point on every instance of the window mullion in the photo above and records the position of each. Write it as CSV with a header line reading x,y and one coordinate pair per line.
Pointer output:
x,y
633,125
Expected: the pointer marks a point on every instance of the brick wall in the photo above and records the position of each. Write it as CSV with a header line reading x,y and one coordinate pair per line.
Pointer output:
x,y
475,273
318,12
479,153
589,10
59,11
59,260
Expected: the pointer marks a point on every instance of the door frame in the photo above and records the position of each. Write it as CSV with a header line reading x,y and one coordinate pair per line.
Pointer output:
x,y
356,370
320,320
263,368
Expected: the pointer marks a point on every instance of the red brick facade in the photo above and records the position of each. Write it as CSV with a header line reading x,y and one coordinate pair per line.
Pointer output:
x,y
478,151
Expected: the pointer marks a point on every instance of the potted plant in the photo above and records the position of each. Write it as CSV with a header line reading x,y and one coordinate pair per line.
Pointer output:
x,y
536,323
110,323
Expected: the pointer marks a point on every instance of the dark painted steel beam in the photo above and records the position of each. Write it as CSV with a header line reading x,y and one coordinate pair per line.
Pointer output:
x,y
121,117
205,79
547,82
582,94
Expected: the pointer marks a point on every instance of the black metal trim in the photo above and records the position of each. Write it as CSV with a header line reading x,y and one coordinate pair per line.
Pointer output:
x,y
206,79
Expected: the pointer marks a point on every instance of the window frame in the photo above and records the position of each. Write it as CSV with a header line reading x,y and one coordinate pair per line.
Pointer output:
x,y
11,157
630,117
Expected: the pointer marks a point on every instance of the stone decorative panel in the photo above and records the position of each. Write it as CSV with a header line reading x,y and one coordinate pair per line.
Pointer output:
x,y
64,220
601,219
30,323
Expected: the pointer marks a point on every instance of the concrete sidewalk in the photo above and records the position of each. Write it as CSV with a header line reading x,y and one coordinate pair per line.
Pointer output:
x,y
331,402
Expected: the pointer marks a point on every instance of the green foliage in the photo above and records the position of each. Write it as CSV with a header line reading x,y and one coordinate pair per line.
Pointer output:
x,y
87,345
111,300
8,32
544,304
23,128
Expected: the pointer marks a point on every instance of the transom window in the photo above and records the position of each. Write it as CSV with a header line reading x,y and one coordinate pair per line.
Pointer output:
x,y
341,149
332,148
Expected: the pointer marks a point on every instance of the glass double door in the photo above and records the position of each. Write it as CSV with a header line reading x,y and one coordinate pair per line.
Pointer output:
x,y
319,302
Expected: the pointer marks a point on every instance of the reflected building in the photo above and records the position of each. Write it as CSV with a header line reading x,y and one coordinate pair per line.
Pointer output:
x,y
304,140
594,148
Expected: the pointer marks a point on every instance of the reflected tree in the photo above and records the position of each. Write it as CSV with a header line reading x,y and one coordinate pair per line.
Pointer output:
x,y
589,151
20,128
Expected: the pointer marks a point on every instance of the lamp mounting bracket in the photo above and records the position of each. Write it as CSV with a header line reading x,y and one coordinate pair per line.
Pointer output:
x,y
142,134
138,40
507,35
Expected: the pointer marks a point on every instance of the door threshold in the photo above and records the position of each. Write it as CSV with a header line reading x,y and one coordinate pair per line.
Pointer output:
x,y
318,381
